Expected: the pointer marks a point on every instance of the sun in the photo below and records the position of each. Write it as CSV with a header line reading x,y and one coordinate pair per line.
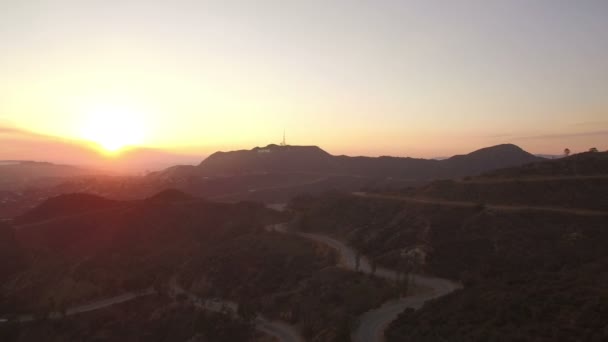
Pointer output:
x,y
114,128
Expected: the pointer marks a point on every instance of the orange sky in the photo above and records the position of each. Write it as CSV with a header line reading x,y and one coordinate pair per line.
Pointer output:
x,y
409,78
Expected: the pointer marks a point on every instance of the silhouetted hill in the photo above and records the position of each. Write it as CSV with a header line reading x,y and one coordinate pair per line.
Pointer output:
x,y
313,160
83,253
527,242
214,250
69,204
274,174
581,164
80,230
578,181
489,158
171,195
16,174
11,257
395,167
272,158
175,172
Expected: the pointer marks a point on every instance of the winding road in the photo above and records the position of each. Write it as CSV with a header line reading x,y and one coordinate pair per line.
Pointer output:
x,y
280,330
92,306
373,323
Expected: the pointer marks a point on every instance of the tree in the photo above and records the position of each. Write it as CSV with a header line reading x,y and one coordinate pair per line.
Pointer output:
x,y
62,309
158,286
566,152
404,283
373,266
593,149
246,311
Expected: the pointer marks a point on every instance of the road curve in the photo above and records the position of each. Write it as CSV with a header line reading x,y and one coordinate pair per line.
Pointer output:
x,y
92,306
373,323
280,330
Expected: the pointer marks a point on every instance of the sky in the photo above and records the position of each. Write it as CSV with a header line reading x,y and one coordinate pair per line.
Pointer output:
x,y
404,78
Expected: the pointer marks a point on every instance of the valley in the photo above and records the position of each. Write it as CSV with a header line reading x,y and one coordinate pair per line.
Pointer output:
x,y
338,264
303,171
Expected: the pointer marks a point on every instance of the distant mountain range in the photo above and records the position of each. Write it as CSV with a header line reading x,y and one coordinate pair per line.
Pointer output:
x,y
271,174
307,160
314,160
48,148
16,173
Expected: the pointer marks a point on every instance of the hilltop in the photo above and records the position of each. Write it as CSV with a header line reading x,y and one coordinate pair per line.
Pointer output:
x,y
313,159
490,158
277,173
272,158
274,174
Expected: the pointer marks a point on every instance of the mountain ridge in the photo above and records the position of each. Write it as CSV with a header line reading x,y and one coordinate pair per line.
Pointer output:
x,y
312,159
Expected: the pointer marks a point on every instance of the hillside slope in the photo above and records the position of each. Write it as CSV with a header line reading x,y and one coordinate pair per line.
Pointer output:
x,y
581,164
529,274
17,174
579,181
312,159
69,204
213,250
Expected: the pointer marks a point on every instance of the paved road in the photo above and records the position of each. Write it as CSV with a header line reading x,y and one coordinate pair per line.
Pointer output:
x,y
373,323
110,301
464,204
92,306
277,206
212,305
280,330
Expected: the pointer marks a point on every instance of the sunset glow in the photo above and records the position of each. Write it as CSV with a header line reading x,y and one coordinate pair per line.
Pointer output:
x,y
113,128
303,170
360,78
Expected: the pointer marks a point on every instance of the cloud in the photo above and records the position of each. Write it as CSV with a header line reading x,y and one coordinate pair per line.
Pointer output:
x,y
10,130
591,123
19,144
564,135
498,136
18,133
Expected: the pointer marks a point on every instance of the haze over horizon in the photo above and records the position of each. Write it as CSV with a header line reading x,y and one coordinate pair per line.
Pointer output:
x,y
303,170
403,78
